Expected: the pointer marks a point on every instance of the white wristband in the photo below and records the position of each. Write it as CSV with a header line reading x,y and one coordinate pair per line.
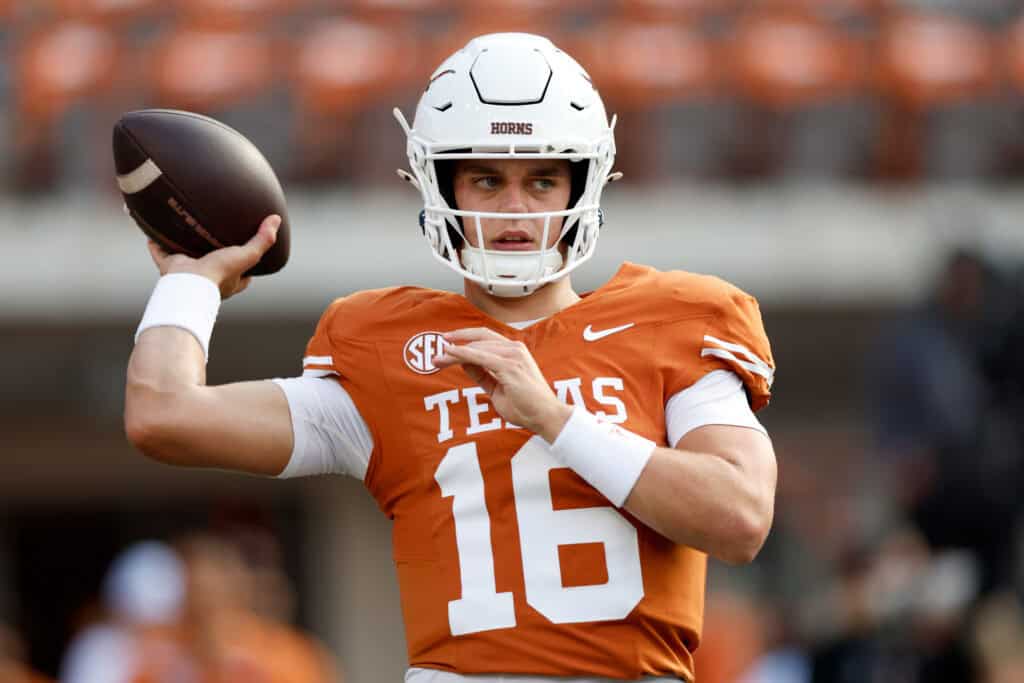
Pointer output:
x,y
183,300
608,457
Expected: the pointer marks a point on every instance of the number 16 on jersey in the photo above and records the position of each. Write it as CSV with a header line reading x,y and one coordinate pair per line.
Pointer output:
x,y
542,529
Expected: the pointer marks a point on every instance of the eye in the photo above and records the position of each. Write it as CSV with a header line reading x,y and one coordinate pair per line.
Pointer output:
x,y
487,182
544,183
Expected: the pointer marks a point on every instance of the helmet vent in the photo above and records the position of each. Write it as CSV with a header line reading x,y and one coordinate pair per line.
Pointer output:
x,y
444,107
577,106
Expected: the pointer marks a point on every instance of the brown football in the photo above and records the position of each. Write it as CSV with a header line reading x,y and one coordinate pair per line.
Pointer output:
x,y
194,184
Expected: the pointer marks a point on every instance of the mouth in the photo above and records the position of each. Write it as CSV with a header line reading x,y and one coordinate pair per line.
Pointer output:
x,y
513,240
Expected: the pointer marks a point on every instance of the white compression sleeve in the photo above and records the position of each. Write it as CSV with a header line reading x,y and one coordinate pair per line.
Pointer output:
x,y
331,437
716,398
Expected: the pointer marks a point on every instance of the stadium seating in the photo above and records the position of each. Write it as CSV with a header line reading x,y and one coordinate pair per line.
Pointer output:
x,y
341,70
64,79
231,14
801,80
106,12
723,89
662,79
938,75
1013,53
670,10
227,72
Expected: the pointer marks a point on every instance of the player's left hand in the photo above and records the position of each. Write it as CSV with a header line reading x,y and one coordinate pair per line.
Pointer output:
x,y
507,372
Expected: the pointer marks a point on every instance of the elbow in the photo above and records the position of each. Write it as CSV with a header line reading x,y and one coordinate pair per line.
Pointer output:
x,y
148,427
749,533
142,432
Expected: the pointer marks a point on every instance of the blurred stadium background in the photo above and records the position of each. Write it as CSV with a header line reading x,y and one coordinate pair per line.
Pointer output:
x,y
855,164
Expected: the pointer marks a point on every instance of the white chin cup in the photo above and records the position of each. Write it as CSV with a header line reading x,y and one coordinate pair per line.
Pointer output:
x,y
520,268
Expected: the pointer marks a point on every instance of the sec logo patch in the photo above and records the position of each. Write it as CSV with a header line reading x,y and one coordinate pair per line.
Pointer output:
x,y
421,350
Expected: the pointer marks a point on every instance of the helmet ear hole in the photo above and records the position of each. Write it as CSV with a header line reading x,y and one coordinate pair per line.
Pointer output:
x,y
578,171
577,180
444,169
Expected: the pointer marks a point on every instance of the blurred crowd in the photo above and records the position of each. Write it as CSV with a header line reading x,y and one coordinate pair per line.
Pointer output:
x,y
204,608
725,90
905,564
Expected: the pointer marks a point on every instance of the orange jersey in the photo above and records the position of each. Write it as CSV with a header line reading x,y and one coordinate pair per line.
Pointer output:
x,y
507,561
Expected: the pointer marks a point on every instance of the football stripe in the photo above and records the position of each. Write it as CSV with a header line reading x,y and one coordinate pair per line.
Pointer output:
x,y
312,372
752,362
139,179
318,360
752,367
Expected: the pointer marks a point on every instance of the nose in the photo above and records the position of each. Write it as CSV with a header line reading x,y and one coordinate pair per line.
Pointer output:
x,y
513,199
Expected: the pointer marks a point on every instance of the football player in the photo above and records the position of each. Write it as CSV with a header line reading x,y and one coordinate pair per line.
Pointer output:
x,y
557,466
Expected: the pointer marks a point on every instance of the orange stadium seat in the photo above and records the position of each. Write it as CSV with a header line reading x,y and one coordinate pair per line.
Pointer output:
x,y
63,78
346,75
938,74
231,74
9,10
1014,56
672,9
659,10
801,81
390,10
831,8
519,8
662,78
107,12
209,69
232,14
645,63
477,22
1013,59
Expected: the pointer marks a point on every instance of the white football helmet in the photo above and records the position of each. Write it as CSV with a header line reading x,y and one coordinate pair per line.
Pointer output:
x,y
506,96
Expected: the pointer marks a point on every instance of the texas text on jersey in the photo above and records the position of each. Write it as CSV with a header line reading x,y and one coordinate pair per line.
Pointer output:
x,y
508,561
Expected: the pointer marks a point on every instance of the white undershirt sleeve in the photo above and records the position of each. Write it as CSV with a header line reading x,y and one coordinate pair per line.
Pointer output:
x,y
331,437
717,398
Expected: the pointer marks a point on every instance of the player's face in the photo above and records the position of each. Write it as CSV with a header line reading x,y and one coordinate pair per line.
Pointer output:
x,y
512,186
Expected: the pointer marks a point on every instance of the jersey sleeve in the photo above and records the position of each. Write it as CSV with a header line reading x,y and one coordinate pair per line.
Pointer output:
x,y
318,361
728,336
342,349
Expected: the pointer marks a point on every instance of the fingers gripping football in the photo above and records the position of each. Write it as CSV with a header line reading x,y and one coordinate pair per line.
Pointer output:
x,y
508,373
225,267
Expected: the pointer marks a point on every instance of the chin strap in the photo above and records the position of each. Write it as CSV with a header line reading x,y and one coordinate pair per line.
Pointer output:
x,y
495,266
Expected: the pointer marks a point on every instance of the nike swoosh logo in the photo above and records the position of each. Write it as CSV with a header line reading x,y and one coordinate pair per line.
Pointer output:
x,y
590,335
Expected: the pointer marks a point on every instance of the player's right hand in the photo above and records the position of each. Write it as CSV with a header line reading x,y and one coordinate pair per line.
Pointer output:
x,y
224,267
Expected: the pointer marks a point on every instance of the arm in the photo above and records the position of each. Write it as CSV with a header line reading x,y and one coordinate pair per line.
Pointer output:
x,y
172,416
714,491
717,495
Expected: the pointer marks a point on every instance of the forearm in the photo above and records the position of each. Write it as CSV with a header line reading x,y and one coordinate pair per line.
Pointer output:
x,y
714,492
165,366
706,502
166,359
